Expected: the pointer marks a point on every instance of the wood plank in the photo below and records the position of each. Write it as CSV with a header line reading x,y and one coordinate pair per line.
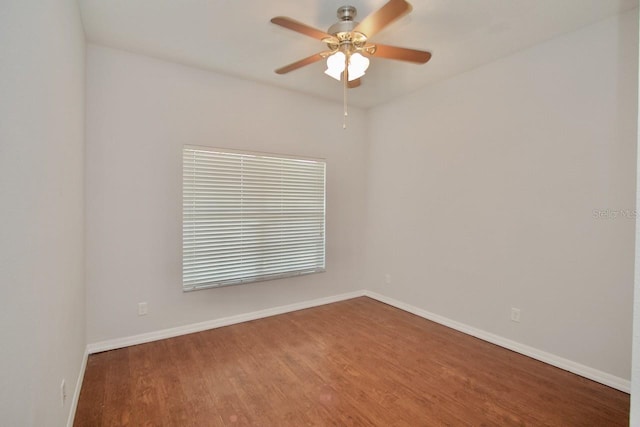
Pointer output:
x,y
356,362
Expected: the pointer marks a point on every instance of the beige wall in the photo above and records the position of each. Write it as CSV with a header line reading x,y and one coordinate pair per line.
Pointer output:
x,y
140,113
42,316
483,191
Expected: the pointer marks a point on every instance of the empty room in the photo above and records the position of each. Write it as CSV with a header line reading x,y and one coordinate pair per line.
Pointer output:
x,y
374,212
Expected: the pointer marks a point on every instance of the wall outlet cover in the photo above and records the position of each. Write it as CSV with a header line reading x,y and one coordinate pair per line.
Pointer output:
x,y
143,309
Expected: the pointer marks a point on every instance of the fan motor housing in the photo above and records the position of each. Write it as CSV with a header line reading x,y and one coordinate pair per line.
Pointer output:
x,y
346,23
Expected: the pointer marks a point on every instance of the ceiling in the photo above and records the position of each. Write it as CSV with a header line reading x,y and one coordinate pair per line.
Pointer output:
x,y
236,37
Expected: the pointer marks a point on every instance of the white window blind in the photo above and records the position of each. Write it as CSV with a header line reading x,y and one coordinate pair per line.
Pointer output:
x,y
249,217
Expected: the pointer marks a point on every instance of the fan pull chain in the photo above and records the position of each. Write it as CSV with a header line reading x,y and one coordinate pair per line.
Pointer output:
x,y
344,118
345,79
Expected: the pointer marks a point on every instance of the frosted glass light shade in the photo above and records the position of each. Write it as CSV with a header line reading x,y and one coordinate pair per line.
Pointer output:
x,y
358,64
335,65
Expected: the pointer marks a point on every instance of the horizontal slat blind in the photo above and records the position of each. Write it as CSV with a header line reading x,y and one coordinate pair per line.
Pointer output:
x,y
249,217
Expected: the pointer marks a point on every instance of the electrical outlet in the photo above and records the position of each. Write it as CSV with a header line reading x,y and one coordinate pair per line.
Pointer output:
x,y
387,279
143,309
515,314
63,392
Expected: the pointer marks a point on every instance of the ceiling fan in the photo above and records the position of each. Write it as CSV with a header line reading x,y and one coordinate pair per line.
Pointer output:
x,y
348,45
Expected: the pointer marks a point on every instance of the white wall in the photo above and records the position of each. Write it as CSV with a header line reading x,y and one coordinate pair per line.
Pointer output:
x,y
483,190
140,113
42,317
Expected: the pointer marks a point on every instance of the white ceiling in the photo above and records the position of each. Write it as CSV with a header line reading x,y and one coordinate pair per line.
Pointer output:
x,y
235,37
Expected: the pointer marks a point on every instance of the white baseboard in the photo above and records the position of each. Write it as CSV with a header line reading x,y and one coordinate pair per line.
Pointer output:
x,y
216,323
557,361
76,392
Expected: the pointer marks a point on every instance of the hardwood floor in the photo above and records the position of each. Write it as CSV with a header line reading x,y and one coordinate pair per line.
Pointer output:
x,y
352,363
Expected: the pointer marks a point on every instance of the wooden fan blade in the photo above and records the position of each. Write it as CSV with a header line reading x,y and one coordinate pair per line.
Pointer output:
x,y
384,16
401,54
354,83
299,27
306,61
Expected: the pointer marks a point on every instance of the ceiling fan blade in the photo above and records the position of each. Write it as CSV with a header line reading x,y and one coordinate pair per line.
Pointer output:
x,y
401,54
301,63
354,83
382,17
299,27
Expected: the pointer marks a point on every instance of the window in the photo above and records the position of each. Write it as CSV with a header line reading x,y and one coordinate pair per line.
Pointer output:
x,y
249,217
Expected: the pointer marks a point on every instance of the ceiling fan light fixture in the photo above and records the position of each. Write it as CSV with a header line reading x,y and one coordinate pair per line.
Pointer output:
x,y
335,65
358,64
347,40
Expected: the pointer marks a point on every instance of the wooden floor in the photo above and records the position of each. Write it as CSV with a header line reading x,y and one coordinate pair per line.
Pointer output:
x,y
357,362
